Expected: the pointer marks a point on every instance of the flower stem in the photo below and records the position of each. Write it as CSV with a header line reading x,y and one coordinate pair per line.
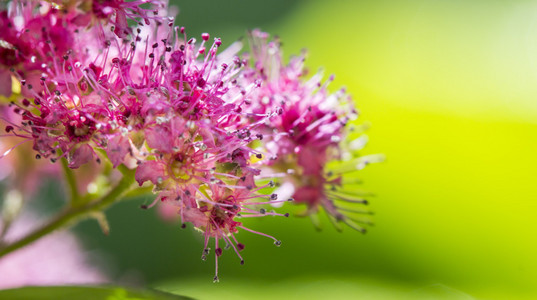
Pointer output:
x,y
71,180
71,215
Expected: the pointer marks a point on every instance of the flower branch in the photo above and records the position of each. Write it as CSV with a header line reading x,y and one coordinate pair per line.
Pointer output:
x,y
73,214
204,129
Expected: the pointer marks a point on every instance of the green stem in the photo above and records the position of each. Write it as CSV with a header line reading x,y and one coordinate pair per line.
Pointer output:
x,y
75,213
71,180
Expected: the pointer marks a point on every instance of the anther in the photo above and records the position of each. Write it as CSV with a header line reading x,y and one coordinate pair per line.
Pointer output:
x,y
273,196
278,243
262,211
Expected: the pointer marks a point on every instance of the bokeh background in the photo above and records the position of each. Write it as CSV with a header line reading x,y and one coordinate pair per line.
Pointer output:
x,y
449,89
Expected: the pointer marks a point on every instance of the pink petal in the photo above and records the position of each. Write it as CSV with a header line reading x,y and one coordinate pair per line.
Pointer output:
x,y
160,138
121,24
150,170
83,154
196,217
33,80
5,83
118,147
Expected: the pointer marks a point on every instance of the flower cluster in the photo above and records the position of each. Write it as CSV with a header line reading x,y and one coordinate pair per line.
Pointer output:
x,y
116,81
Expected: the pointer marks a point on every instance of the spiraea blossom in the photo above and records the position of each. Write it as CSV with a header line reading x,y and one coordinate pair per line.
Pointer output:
x,y
205,128
307,134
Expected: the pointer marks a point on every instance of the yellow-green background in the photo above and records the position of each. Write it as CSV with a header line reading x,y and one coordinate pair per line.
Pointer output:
x,y
450,91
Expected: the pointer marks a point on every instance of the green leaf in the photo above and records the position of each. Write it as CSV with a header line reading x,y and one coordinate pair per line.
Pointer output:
x,y
85,292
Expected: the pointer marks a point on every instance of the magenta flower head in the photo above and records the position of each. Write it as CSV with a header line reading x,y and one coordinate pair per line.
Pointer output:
x,y
307,134
206,129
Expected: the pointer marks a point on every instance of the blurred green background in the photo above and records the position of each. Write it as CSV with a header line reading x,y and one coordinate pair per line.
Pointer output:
x,y
449,88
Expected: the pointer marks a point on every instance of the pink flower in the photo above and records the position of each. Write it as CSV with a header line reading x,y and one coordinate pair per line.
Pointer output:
x,y
171,104
307,132
118,11
200,125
